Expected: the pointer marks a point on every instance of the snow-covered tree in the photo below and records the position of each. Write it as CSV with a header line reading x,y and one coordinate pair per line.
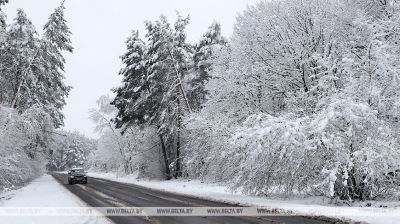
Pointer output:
x,y
132,98
210,43
303,99
354,150
32,94
153,93
139,99
3,36
134,151
56,42
268,156
58,34
23,144
32,71
2,27
70,149
20,62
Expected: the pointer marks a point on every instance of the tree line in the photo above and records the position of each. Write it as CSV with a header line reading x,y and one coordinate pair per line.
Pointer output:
x,y
32,95
301,99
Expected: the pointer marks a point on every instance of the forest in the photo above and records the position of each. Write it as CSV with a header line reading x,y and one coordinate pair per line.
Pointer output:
x,y
302,99
32,95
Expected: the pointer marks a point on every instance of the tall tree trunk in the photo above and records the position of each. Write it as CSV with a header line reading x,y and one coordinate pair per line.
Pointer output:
x,y
178,159
164,153
178,170
180,93
303,78
370,71
259,93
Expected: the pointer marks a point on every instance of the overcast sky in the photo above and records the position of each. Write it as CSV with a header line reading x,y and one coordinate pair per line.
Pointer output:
x,y
100,28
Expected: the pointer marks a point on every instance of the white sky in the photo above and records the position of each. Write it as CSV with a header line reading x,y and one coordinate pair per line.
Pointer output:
x,y
100,28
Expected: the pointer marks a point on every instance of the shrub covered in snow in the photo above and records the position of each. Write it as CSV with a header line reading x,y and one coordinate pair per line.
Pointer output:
x,y
205,145
342,151
22,145
270,156
357,149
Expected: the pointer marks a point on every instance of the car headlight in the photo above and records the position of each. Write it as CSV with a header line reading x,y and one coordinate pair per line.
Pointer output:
x,y
71,176
85,176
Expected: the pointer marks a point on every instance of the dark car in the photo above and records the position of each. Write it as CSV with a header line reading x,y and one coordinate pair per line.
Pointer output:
x,y
77,175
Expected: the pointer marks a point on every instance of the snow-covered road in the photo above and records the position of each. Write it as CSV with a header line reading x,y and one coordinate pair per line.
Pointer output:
x,y
309,207
45,192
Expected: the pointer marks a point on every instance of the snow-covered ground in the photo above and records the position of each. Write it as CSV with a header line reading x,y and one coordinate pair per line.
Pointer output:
x,y
310,206
45,192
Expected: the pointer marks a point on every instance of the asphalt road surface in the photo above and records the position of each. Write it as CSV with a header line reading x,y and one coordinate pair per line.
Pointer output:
x,y
105,193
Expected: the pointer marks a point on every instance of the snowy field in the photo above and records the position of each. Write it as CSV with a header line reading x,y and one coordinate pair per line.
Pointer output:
x,y
45,192
311,206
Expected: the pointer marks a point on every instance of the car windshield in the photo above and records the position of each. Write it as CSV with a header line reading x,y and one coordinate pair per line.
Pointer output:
x,y
77,171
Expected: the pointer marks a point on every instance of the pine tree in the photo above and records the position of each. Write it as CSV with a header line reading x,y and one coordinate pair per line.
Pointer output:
x,y
211,42
21,60
58,34
56,41
131,99
140,97
180,54
171,61
32,69
31,83
153,93
159,35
